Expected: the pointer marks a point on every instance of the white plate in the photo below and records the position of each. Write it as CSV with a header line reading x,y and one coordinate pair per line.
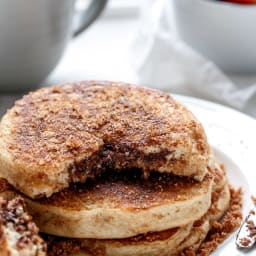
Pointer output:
x,y
233,136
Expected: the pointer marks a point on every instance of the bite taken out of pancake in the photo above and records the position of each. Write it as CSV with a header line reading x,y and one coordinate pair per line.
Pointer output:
x,y
59,135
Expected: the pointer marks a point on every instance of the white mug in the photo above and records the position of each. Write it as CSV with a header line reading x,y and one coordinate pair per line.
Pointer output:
x,y
223,32
33,36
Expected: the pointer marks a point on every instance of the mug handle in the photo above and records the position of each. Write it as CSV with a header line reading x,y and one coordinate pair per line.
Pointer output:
x,y
89,15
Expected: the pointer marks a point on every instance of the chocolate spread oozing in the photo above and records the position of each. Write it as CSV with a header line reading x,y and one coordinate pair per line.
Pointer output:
x,y
12,215
111,156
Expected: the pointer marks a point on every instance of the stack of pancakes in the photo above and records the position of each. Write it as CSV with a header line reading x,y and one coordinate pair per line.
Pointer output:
x,y
112,169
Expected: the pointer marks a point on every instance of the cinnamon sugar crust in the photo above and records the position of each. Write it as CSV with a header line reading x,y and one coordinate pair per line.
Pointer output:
x,y
65,134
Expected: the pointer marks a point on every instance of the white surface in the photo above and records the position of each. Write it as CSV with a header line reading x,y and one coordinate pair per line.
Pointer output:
x,y
234,146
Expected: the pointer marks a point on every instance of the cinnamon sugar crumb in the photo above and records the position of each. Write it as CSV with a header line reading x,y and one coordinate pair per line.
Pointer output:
x,y
70,247
18,233
221,229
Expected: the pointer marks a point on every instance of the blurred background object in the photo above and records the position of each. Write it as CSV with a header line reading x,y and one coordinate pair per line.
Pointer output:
x,y
137,41
221,31
181,46
34,35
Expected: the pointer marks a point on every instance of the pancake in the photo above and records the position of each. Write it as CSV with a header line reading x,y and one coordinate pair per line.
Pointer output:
x,y
118,205
60,135
18,234
164,243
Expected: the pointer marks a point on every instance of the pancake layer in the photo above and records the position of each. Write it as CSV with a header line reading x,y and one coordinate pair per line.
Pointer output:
x,y
166,243
118,205
64,134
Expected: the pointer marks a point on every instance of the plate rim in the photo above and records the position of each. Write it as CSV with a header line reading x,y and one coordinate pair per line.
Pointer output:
x,y
219,111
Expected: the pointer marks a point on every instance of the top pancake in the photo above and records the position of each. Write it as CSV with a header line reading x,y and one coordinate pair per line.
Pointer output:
x,y
65,134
